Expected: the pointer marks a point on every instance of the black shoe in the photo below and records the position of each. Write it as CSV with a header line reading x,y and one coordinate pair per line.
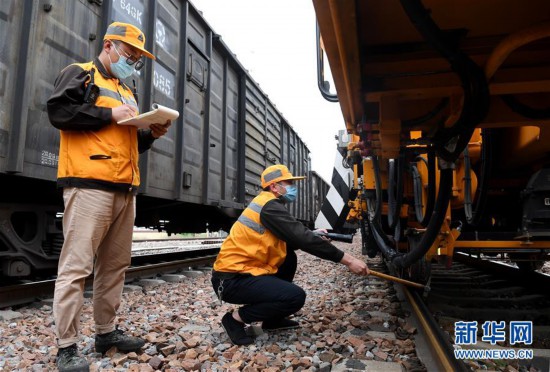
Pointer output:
x,y
279,324
120,340
235,330
68,360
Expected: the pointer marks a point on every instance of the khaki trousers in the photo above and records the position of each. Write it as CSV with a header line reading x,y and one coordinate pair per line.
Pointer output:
x,y
97,226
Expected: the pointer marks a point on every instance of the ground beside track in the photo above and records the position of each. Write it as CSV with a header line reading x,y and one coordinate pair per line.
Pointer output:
x,y
349,322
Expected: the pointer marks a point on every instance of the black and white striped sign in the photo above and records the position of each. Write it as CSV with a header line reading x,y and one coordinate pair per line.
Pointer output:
x,y
335,207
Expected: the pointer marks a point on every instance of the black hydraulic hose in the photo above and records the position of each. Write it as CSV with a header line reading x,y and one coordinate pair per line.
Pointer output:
x,y
397,232
524,110
433,228
392,196
395,190
466,124
424,118
378,235
467,186
370,247
373,230
378,188
383,241
417,191
436,221
484,176
431,187
424,218
450,142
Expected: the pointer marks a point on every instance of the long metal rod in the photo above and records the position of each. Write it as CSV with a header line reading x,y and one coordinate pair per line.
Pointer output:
x,y
396,279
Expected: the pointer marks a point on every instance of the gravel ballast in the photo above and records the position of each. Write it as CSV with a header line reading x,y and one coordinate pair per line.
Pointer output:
x,y
348,323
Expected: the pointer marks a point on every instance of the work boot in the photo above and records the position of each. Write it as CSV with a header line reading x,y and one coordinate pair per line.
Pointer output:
x,y
279,324
235,330
120,340
68,360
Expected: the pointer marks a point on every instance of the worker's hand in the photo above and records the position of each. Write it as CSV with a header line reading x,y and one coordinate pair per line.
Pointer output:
x,y
355,265
123,112
358,266
322,231
159,130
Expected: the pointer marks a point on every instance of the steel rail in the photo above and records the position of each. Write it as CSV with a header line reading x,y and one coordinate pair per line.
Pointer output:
x,y
20,294
441,348
535,280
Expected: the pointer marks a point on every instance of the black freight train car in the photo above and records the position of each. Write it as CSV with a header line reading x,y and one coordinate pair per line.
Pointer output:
x,y
317,192
200,175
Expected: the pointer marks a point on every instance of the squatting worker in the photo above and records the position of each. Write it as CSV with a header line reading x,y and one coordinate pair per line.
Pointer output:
x,y
257,262
98,171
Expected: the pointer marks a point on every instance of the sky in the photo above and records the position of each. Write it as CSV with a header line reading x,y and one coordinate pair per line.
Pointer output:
x,y
275,42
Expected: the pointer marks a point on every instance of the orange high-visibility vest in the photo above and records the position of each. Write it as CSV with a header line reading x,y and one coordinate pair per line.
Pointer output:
x,y
250,248
109,154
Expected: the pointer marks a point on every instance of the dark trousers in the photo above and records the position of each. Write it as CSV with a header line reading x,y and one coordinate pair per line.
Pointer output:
x,y
265,297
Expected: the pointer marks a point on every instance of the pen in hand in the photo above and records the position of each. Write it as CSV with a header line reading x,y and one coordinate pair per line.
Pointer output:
x,y
135,91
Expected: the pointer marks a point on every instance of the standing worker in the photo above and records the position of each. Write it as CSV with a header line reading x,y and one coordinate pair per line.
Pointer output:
x,y
257,261
98,171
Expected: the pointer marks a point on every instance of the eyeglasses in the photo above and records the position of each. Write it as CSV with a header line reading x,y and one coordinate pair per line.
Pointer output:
x,y
131,60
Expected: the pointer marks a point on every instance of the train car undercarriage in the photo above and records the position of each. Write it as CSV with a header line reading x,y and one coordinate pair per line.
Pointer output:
x,y
446,111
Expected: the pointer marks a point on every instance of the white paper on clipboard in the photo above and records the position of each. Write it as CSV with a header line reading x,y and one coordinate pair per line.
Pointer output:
x,y
158,115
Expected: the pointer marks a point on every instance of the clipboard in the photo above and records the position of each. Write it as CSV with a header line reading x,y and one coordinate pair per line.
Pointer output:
x,y
158,114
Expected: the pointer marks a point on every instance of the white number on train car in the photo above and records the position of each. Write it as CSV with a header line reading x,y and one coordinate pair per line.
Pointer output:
x,y
163,80
161,34
162,83
49,158
129,8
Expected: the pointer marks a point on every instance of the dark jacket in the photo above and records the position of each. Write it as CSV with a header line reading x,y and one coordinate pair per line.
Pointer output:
x,y
95,152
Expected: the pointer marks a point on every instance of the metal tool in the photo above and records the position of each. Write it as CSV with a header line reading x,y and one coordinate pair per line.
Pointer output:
x,y
399,280
346,238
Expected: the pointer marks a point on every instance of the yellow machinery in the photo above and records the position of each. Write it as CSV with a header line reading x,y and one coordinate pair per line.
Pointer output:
x,y
448,104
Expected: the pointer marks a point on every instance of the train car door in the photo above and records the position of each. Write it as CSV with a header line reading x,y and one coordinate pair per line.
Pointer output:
x,y
273,136
255,152
194,125
37,43
223,133
159,163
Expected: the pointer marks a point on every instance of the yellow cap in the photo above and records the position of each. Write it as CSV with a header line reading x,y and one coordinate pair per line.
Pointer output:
x,y
129,34
276,173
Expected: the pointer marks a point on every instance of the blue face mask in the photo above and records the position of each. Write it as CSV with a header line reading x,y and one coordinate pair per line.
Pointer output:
x,y
120,69
291,193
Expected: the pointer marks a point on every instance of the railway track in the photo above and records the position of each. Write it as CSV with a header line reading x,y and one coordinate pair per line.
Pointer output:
x,y
436,351
142,266
481,291
155,247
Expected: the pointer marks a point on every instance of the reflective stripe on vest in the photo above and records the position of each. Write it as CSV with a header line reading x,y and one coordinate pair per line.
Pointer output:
x,y
250,248
109,154
255,207
253,225
115,95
